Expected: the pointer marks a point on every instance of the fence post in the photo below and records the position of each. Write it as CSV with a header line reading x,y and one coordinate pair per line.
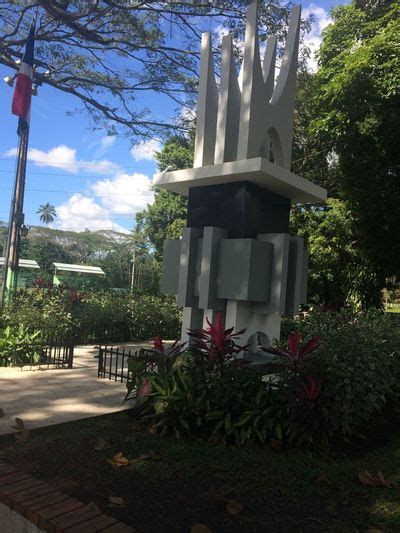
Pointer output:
x,y
71,356
100,364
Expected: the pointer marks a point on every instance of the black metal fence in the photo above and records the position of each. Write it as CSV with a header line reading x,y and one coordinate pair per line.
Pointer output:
x,y
113,362
52,353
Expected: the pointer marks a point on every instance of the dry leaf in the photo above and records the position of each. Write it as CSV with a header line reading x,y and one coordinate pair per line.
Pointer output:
x,y
1,413
19,424
200,528
118,460
101,444
377,480
234,507
153,455
116,500
91,506
322,480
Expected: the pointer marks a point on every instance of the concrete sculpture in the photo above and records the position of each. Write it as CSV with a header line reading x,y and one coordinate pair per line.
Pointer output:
x,y
236,255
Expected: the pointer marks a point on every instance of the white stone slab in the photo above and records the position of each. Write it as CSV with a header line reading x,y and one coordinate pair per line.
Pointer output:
x,y
257,170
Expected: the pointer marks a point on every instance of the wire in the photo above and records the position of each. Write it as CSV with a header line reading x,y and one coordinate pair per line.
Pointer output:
x,y
88,176
89,194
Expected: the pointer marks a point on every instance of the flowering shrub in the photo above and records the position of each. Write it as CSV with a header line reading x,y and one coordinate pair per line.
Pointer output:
x,y
322,390
93,316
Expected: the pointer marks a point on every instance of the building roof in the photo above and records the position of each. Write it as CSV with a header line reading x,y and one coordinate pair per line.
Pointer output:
x,y
23,263
84,269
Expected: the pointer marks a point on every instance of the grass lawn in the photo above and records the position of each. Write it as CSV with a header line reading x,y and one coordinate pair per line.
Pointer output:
x,y
189,481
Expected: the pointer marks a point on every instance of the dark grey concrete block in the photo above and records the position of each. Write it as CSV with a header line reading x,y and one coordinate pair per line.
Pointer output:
x,y
243,208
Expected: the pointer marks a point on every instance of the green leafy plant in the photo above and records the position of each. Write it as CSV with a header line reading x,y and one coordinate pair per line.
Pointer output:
x,y
18,346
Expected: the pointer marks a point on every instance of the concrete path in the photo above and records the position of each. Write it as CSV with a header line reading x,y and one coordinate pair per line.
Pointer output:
x,y
46,397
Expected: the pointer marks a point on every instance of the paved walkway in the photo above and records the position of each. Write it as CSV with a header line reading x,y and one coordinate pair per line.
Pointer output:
x,y
46,397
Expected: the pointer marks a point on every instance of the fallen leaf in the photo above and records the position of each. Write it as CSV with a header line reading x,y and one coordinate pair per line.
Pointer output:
x,y
1,413
19,424
377,480
92,506
373,530
200,528
101,444
322,480
381,478
118,460
116,500
234,507
153,455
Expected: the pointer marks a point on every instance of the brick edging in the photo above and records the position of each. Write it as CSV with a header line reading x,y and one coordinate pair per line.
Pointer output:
x,y
49,509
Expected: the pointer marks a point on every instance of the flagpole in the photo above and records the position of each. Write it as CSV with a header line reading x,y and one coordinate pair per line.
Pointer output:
x,y
16,220
21,107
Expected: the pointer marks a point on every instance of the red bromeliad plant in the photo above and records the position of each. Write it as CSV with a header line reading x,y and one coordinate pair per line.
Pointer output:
x,y
296,354
161,354
311,388
215,346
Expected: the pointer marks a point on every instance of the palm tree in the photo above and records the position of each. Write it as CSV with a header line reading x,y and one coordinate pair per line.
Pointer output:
x,y
47,213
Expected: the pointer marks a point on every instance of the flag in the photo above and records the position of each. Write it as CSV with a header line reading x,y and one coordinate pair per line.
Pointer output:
x,y
21,103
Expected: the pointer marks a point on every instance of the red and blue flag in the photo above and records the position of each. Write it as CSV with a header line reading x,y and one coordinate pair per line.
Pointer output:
x,y
21,103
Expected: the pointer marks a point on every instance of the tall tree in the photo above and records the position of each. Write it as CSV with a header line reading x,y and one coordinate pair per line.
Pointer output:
x,y
166,217
47,213
357,102
110,53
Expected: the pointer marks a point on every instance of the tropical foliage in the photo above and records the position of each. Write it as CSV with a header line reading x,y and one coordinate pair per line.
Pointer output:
x,y
93,316
19,346
311,393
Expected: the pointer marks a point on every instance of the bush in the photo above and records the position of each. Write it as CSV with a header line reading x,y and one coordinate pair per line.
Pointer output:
x,y
359,360
319,393
95,316
19,347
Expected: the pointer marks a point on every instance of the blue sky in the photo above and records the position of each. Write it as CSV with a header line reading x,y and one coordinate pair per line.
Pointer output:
x,y
96,181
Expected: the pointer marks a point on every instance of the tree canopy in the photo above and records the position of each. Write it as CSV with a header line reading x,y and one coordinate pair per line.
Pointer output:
x,y
166,217
109,54
356,101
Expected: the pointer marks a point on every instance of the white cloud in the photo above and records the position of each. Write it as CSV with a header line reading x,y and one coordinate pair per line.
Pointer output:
x,y
63,157
107,141
80,212
124,193
145,150
313,39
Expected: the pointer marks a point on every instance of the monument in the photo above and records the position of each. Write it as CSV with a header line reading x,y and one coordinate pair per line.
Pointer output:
x,y
236,256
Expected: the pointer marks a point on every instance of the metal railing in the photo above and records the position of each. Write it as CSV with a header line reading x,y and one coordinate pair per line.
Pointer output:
x,y
113,362
52,353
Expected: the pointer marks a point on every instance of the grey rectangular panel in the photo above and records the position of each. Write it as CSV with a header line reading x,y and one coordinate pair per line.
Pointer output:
x,y
244,270
187,267
170,267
